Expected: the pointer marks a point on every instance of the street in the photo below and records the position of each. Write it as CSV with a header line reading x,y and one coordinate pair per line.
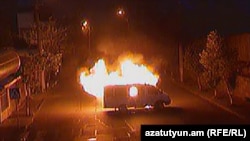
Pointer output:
x,y
70,114
70,70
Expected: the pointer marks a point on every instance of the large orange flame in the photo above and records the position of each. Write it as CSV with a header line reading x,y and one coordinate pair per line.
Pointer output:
x,y
94,80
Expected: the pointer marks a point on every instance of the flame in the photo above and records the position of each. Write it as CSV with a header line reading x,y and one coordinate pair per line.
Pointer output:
x,y
94,80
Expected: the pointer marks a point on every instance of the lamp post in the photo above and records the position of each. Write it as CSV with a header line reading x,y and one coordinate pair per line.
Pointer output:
x,y
121,13
87,29
37,21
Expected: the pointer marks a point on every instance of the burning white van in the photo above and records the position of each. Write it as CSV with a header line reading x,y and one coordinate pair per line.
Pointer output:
x,y
125,96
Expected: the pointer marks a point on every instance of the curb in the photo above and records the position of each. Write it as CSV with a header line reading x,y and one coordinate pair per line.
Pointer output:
x,y
216,104
26,132
212,102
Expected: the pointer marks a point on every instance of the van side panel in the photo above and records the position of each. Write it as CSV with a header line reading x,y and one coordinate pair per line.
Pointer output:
x,y
114,96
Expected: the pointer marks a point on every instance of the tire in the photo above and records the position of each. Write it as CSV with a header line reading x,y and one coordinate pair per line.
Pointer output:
x,y
122,108
159,105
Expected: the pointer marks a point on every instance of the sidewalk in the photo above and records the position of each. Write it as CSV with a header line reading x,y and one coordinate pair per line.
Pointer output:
x,y
240,107
14,128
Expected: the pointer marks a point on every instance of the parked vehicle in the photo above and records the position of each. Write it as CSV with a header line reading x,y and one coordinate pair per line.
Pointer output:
x,y
126,96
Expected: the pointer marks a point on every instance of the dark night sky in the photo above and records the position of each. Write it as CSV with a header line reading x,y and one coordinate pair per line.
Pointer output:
x,y
158,25
157,17
228,16
193,17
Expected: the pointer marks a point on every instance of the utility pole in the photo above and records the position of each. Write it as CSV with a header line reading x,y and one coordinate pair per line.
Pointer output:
x,y
28,106
180,52
180,44
86,28
122,14
89,43
37,20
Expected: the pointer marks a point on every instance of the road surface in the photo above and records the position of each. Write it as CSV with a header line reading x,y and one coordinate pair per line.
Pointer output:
x,y
70,114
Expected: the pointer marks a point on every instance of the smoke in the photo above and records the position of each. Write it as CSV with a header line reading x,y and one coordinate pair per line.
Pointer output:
x,y
139,48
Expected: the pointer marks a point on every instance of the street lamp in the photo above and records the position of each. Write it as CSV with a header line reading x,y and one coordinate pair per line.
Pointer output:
x,y
85,25
121,13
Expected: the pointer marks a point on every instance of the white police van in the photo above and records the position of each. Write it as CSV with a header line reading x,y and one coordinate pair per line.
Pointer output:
x,y
138,95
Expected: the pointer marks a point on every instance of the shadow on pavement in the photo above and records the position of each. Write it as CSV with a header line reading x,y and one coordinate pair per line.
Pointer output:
x,y
141,112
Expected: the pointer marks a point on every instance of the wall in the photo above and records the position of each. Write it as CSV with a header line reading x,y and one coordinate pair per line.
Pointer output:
x,y
242,87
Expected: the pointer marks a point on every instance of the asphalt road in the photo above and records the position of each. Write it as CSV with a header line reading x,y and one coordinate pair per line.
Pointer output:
x,y
70,114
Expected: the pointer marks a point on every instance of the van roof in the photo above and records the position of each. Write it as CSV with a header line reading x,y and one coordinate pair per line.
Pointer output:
x,y
129,85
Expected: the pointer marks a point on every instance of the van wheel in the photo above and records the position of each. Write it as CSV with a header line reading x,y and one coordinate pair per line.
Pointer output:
x,y
159,105
123,108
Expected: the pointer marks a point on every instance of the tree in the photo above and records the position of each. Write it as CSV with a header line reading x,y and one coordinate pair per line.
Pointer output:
x,y
30,66
191,60
216,63
211,60
51,39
